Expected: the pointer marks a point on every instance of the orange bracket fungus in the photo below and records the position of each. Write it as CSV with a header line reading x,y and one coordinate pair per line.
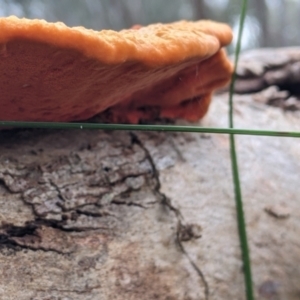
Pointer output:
x,y
51,72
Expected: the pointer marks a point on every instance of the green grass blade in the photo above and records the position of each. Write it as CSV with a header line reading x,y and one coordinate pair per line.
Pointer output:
x,y
168,128
241,222
235,172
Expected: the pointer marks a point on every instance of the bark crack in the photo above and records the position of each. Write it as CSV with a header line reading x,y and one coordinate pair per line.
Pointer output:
x,y
15,237
165,201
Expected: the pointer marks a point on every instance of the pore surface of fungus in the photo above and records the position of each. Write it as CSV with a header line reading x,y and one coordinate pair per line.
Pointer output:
x,y
51,72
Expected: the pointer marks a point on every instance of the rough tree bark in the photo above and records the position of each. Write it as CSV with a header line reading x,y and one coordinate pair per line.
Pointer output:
x,y
131,215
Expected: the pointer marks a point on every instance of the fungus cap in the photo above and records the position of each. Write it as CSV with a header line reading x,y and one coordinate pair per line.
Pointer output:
x,y
51,72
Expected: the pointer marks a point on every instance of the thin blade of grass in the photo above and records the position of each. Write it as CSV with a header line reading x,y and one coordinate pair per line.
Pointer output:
x,y
130,127
235,172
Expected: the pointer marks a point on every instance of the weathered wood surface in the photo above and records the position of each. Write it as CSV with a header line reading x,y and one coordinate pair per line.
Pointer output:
x,y
119,215
276,71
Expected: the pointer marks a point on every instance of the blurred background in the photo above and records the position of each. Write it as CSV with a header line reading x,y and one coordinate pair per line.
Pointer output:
x,y
270,23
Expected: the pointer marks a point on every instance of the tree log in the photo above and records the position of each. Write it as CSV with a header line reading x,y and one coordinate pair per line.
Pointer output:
x,y
135,215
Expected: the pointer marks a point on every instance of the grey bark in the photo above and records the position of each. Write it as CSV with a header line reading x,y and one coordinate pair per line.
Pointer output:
x,y
276,71
131,215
